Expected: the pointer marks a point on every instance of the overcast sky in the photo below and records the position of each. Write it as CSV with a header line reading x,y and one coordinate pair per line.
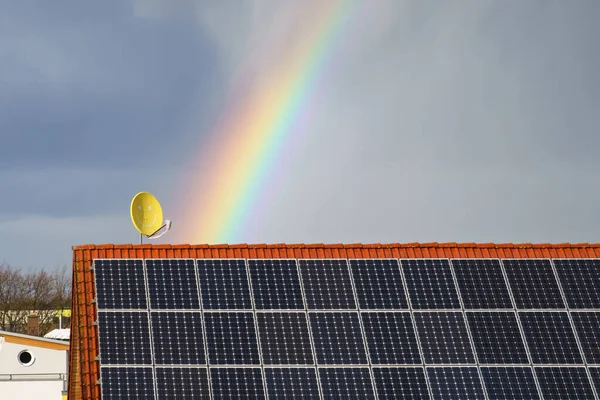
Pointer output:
x,y
437,121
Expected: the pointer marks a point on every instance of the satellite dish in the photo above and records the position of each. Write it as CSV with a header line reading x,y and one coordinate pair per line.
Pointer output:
x,y
147,216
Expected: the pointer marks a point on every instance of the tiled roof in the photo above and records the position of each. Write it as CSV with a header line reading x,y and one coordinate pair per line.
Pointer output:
x,y
83,367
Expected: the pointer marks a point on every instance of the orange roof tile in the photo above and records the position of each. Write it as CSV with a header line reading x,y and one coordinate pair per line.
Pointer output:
x,y
84,369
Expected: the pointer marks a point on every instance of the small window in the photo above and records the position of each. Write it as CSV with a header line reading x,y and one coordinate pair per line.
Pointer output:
x,y
26,358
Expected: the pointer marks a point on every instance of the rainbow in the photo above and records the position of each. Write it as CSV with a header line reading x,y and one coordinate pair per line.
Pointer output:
x,y
261,117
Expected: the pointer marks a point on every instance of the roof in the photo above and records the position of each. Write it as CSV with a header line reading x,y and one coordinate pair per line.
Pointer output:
x,y
83,367
27,340
59,334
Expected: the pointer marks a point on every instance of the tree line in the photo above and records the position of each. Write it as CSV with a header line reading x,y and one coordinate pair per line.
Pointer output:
x,y
40,292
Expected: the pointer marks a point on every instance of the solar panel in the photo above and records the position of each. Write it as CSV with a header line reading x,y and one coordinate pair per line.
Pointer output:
x,y
510,383
557,383
172,284
580,280
292,383
550,338
120,284
327,284
533,284
356,328
275,284
182,383
284,338
391,338
346,383
378,284
430,284
224,285
237,383
400,383
444,338
497,338
455,383
481,284
338,338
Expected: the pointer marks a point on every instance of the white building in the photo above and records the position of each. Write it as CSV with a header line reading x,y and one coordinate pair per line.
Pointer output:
x,y
32,368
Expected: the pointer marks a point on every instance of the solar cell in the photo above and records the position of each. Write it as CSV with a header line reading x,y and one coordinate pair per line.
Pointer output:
x,y
125,383
231,338
124,338
481,284
580,280
550,338
455,383
595,375
509,383
559,383
177,338
444,338
346,383
120,284
182,383
327,284
400,383
391,338
587,325
237,383
497,338
275,284
337,338
172,284
291,383
284,338
533,283
224,284
430,284
378,284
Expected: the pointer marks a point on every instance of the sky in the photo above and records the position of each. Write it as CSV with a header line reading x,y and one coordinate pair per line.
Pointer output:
x,y
471,121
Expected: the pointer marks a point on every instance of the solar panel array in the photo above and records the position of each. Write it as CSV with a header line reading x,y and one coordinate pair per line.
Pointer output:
x,y
358,328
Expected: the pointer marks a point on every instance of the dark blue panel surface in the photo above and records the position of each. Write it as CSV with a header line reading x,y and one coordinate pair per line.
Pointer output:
x,y
455,383
587,325
291,383
224,284
400,383
509,383
275,284
580,280
430,284
595,375
182,383
559,383
125,383
391,338
378,284
177,338
172,284
346,383
284,338
120,284
237,383
124,338
533,284
481,284
550,338
444,338
231,338
327,284
497,338
337,338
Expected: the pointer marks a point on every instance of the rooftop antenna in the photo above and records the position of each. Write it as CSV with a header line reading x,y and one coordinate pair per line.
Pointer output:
x,y
147,216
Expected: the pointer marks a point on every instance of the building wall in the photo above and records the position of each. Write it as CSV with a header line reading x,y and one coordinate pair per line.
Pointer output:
x,y
41,380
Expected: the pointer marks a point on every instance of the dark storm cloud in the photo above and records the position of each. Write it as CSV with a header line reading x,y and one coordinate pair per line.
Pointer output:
x,y
91,86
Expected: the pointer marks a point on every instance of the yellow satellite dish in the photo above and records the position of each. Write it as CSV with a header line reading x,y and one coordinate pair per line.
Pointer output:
x,y
146,213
